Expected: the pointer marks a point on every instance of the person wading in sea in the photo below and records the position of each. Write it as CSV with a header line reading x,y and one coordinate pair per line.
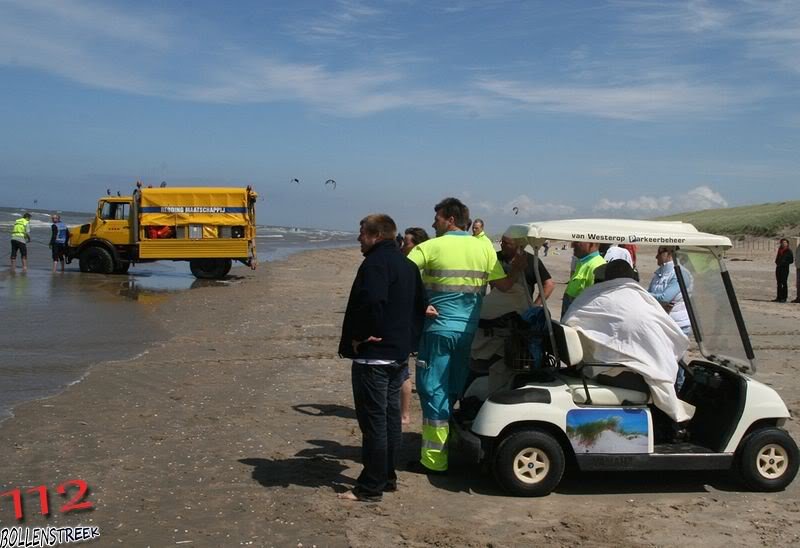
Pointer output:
x,y
20,236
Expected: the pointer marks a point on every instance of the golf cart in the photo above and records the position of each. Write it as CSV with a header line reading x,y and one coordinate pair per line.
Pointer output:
x,y
547,411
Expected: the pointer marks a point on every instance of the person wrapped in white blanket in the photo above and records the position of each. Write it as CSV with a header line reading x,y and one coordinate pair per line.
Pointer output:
x,y
621,323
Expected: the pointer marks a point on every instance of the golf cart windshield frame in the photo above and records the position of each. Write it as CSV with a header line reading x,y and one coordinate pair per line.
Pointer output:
x,y
712,339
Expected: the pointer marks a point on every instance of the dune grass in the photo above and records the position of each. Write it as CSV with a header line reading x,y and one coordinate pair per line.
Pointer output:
x,y
756,220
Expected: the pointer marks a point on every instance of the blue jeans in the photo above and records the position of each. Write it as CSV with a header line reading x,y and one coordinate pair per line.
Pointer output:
x,y
376,394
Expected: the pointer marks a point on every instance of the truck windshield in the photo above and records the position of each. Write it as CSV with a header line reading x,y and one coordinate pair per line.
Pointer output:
x,y
712,308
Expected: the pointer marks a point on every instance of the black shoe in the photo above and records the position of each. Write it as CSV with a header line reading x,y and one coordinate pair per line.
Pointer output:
x,y
390,487
680,434
416,467
797,300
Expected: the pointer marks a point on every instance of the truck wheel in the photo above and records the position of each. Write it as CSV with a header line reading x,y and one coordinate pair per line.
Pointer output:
x,y
122,267
768,460
210,269
96,259
529,463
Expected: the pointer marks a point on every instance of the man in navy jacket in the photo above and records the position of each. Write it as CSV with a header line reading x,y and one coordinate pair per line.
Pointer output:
x,y
382,326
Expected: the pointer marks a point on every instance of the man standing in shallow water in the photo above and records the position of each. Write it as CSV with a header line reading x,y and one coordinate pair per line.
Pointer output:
x,y
381,327
20,236
59,236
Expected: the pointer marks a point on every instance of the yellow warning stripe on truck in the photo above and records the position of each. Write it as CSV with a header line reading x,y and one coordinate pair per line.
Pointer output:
x,y
194,249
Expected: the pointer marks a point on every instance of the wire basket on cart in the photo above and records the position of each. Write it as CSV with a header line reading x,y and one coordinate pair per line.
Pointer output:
x,y
524,348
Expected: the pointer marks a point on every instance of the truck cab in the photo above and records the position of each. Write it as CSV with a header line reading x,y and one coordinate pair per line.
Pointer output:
x,y
111,223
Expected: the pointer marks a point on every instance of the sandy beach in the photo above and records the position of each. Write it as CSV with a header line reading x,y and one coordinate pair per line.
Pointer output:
x,y
237,428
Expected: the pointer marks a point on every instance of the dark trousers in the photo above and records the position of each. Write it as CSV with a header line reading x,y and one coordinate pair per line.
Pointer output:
x,y
376,393
782,276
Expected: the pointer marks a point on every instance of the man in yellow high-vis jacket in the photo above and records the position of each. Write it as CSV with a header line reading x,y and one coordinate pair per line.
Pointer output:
x,y
20,236
477,231
455,271
588,260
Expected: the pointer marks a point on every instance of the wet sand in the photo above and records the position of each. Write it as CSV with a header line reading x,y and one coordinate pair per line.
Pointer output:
x,y
61,323
239,430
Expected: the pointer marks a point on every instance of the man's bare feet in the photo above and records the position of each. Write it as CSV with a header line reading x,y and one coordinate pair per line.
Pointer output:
x,y
405,421
349,495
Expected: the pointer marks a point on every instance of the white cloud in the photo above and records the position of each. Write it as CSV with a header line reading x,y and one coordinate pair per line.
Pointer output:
x,y
152,53
766,31
103,47
343,24
642,204
92,44
645,100
78,18
522,208
694,16
698,198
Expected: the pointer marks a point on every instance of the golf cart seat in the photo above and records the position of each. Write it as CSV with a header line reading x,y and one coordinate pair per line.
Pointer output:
x,y
624,388
568,344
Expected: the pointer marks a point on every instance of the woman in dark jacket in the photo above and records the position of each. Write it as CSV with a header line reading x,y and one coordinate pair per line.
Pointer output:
x,y
783,261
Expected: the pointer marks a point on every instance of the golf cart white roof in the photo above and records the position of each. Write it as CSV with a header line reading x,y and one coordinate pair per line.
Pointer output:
x,y
619,231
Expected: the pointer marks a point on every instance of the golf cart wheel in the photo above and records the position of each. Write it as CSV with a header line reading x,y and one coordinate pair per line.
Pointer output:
x,y
529,463
96,259
768,460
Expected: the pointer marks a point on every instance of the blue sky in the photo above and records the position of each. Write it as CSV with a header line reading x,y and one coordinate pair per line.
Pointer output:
x,y
562,109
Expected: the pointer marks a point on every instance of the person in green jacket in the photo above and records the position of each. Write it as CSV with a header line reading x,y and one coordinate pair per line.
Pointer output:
x,y
477,231
589,258
20,236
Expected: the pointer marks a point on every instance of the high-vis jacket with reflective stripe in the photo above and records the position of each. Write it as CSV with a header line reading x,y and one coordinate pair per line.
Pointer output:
x,y
20,229
433,452
455,271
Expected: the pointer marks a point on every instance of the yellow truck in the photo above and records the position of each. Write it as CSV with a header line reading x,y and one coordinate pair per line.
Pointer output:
x,y
209,227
